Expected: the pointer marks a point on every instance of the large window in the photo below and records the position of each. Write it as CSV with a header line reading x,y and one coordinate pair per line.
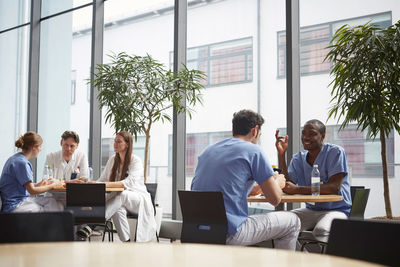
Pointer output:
x,y
363,153
224,63
14,55
140,28
195,144
63,73
14,50
315,39
107,149
14,13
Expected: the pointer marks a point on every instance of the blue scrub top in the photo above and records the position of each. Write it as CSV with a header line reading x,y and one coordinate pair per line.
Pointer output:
x,y
16,172
331,160
231,166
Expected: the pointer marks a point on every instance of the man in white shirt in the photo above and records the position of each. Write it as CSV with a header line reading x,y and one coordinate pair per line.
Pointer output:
x,y
68,160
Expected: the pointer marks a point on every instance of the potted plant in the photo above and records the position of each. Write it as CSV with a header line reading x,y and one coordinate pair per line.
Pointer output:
x,y
366,83
137,91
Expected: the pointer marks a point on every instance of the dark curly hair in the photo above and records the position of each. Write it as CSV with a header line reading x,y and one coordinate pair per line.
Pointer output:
x,y
245,120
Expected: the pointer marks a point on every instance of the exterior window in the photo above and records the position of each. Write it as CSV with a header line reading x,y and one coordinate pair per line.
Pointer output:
x,y
224,63
107,149
73,87
314,41
195,144
363,154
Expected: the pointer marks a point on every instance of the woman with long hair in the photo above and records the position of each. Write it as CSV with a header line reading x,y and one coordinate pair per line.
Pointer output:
x,y
16,181
125,169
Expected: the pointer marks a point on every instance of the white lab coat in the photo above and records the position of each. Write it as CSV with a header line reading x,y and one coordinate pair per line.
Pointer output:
x,y
134,198
63,169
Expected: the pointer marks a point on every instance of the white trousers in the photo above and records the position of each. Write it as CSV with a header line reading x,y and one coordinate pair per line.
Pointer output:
x,y
134,202
317,221
281,226
39,204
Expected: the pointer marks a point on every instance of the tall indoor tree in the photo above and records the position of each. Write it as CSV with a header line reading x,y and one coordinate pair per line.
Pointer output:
x,y
138,91
366,83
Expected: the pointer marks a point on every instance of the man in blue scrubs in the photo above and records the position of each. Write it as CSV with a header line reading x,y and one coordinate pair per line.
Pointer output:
x,y
332,165
231,166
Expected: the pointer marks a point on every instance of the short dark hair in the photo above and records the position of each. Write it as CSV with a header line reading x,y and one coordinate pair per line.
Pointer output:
x,y
70,134
245,120
319,124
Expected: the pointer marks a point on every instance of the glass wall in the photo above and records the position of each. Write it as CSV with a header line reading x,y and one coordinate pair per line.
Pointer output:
x,y
14,54
51,7
140,28
240,45
236,48
363,154
64,70
14,13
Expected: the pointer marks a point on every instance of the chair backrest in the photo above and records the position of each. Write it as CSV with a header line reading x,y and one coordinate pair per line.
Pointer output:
x,y
353,189
36,227
152,189
360,200
87,202
204,217
368,240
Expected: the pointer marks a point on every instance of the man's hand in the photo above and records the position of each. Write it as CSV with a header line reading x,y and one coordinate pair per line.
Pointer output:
x,y
290,188
255,191
281,143
280,179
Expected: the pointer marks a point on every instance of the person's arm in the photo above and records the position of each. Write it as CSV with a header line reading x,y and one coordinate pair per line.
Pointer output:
x,y
105,174
256,190
281,145
41,187
272,188
330,188
134,178
333,186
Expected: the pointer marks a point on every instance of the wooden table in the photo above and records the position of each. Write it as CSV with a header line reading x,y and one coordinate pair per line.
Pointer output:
x,y
108,189
299,198
98,254
289,199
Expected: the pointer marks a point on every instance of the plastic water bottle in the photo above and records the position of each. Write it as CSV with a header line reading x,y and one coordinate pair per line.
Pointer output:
x,y
46,172
50,172
315,181
90,173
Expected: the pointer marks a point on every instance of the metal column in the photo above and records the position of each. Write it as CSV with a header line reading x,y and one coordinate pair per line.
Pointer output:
x,y
179,120
95,112
33,75
292,78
